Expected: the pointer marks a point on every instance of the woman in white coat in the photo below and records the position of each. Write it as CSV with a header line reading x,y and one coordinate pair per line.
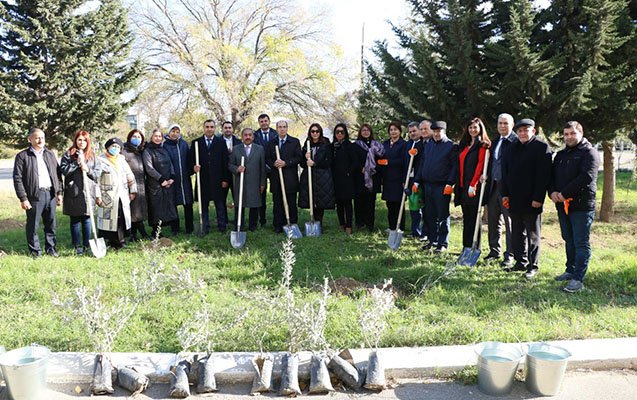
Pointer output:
x,y
117,188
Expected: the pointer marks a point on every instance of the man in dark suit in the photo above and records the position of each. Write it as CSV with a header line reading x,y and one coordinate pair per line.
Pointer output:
x,y
526,171
253,178
262,137
215,176
497,213
38,185
290,152
227,133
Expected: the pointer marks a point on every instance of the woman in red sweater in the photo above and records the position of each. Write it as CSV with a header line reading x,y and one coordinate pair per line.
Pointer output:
x,y
472,149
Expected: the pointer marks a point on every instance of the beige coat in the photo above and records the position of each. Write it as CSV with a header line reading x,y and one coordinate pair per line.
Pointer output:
x,y
115,184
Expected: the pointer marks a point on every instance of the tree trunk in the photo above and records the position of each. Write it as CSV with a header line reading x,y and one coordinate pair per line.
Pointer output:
x,y
608,195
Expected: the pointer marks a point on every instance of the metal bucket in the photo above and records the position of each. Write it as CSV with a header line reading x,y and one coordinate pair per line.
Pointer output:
x,y
545,366
497,364
24,371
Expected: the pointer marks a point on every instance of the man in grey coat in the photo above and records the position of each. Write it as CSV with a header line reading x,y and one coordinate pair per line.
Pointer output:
x,y
254,175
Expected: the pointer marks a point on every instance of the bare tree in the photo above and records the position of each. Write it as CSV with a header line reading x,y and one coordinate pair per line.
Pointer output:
x,y
237,57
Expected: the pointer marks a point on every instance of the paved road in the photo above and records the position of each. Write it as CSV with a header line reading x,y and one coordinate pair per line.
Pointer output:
x,y
6,173
578,385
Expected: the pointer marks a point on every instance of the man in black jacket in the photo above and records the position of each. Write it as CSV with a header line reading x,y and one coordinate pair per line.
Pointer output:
x,y
526,171
497,213
262,137
290,152
573,188
38,185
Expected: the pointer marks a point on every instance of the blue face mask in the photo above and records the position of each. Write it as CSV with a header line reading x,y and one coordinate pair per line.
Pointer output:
x,y
135,141
113,151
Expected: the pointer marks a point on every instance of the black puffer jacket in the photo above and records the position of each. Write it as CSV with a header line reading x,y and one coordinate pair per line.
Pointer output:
x,y
322,183
574,174
159,168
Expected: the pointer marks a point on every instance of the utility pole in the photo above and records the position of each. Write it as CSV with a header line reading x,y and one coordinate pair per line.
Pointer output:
x,y
363,55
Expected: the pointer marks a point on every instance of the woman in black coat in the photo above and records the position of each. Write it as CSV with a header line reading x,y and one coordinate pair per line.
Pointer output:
x,y
160,178
132,152
367,177
473,147
78,159
393,173
319,157
344,166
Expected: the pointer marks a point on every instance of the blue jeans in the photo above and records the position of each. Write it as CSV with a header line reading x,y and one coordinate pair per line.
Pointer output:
x,y
576,229
437,213
83,222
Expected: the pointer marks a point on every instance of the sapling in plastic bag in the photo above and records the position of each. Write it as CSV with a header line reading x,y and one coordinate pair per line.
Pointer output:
x,y
206,382
131,380
179,386
375,379
319,375
290,375
346,372
102,376
262,382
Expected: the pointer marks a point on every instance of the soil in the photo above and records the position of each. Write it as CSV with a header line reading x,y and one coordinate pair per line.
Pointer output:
x,y
10,225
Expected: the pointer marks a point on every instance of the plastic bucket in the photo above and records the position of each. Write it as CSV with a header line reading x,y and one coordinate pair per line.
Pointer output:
x,y
545,366
497,364
24,371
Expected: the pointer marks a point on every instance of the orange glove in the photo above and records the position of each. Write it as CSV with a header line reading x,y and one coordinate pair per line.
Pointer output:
x,y
382,161
413,152
447,190
505,202
414,188
567,203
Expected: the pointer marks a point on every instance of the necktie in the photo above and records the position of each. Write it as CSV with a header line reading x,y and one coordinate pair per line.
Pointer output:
x,y
247,151
208,143
281,141
264,137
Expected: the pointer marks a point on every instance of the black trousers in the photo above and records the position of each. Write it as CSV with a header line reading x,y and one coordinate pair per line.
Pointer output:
x,y
263,208
253,218
365,210
531,225
393,207
225,199
344,211
278,212
138,227
469,215
188,219
498,216
43,208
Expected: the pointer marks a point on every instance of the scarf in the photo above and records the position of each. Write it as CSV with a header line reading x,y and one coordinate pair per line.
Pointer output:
x,y
373,149
112,159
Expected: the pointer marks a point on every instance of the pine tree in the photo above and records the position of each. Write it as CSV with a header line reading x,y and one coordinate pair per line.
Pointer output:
x,y
62,67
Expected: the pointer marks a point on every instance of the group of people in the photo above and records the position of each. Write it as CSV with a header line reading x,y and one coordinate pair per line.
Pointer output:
x,y
139,181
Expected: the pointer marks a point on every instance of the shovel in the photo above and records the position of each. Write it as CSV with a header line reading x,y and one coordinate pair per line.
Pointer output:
x,y
198,229
470,255
312,228
238,238
291,230
98,246
396,236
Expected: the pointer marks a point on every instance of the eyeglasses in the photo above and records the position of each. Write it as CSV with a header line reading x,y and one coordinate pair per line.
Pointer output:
x,y
314,131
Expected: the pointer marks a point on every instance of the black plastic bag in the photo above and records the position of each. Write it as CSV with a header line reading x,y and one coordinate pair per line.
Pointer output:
x,y
179,386
375,379
131,380
319,376
102,376
290,375
262,382
206,375
346,372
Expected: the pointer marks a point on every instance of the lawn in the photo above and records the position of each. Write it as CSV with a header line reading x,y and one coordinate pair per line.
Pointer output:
x,y
466,306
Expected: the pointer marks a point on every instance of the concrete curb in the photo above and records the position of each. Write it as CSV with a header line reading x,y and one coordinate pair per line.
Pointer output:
x,y
403,362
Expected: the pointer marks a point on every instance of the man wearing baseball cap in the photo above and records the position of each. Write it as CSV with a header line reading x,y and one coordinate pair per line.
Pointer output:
x,y
526,171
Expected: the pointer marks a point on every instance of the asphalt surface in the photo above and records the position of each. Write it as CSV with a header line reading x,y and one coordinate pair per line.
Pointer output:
x,y
577,385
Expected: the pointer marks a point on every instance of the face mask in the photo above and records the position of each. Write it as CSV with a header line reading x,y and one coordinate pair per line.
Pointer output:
x,y
135,141
113,151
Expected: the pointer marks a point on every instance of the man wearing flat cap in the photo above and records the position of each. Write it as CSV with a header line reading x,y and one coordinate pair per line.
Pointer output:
x,y
526,171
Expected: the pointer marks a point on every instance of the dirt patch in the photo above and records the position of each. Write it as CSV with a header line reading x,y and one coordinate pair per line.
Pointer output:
x,y
347,286
10,225
161,243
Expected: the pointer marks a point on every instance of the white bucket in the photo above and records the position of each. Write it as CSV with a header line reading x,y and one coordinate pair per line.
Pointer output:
x,y
497,364
24,371
545,366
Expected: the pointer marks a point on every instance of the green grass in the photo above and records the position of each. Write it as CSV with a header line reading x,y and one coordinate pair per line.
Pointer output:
x,y
469,306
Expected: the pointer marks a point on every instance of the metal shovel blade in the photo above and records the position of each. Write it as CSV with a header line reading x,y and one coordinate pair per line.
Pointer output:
x,y
313,228
395,238
237,239
292,231
469,257
98,247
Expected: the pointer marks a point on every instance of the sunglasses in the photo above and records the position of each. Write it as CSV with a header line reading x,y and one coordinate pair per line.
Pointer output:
x,y
314,131
339,131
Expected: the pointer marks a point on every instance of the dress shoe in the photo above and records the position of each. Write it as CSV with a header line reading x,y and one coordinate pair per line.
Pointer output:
x,y
566,276
428,246
440,250
52,253
530,274
35,254
506,263
573,286
516,267
492,257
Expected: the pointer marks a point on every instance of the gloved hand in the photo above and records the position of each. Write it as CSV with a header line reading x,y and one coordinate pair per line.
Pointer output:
x,y
472,191
413,152
415,188
567,204
407,191
447,190
382,161
505,202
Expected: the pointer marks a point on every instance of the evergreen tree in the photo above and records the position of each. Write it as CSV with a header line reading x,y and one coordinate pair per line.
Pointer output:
x,y
62,67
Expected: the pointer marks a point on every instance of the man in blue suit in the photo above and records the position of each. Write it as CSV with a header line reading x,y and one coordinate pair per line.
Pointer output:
x,y
262,137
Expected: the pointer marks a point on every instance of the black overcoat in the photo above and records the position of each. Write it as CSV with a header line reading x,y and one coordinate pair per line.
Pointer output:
x,y
214,167
139,206
322,182
159,168
394,173
292,155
